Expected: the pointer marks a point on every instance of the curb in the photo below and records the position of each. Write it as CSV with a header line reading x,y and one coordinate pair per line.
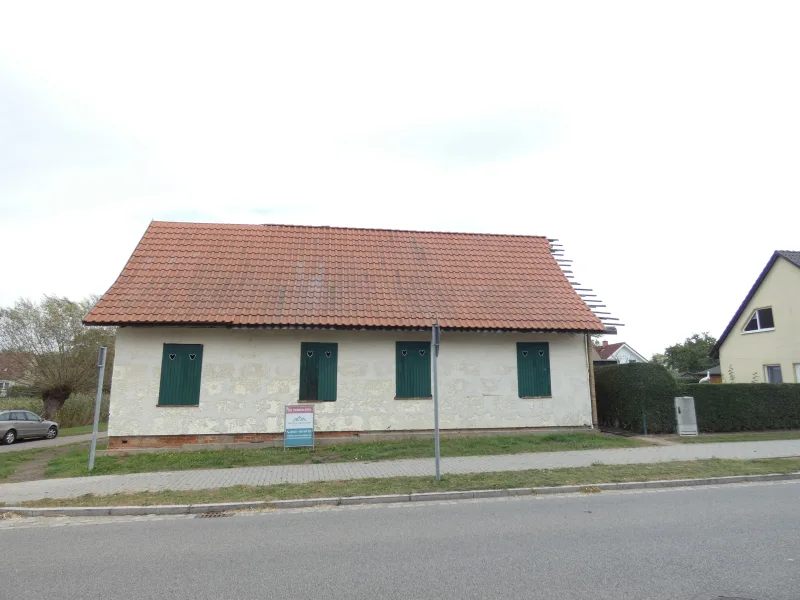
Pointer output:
x,y
224,507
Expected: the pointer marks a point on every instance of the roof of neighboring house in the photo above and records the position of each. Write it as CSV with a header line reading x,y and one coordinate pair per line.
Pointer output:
x,y
12,365
712,371
605,352
288,276
792,256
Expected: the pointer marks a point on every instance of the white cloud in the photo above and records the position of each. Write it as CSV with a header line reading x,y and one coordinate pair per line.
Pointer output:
x,y
662,153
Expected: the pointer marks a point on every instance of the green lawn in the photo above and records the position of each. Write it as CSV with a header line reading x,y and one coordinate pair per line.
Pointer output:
x,y
81,430
9,461
740,436
73,464
397,485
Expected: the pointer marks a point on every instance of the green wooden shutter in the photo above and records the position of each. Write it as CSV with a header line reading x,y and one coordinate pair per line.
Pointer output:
x,y
413,369
318,364
181,370
533,369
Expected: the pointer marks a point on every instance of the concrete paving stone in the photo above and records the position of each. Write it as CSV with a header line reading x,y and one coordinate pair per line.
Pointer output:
x,y
489,493
427,496
385,499
520,491
562,489
304,503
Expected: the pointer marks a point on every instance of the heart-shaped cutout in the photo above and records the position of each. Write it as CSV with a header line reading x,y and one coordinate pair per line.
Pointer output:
x,y
309,353
541,352
172,357
524,353
328,353
422,352
404,352
192,356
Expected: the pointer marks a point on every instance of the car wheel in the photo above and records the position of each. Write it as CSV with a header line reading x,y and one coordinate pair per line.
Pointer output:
x,y
52,433
10,437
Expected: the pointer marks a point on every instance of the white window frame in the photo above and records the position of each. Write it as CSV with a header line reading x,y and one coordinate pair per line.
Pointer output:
x,y
766,373
758,320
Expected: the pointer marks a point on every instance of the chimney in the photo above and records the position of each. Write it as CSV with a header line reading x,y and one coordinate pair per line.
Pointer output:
x,y
605,343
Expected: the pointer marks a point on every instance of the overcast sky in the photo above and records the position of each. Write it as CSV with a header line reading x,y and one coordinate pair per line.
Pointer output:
x,y
660,142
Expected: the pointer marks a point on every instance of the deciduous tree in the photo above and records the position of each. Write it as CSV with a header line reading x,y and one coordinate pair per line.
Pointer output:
x,y
58,350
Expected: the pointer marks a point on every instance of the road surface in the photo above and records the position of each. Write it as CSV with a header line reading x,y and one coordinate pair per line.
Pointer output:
x,y
736,541
59,441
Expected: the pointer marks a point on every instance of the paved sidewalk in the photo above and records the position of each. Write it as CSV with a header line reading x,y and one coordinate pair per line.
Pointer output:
x,y
11,493
59,441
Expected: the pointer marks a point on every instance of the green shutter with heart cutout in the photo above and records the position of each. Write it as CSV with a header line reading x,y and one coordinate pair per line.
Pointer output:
x,y
318,366
533,369
413,369
181,371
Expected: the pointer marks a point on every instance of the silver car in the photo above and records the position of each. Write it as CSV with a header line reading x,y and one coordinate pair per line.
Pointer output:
x,y
20,424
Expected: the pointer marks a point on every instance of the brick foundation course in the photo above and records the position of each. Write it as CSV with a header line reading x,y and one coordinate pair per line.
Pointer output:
x,y
322,438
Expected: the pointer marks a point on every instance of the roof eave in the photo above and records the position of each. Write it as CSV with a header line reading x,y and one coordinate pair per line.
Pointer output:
x,y
301,326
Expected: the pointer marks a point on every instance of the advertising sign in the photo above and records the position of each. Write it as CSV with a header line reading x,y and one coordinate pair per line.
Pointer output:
x,y
298,427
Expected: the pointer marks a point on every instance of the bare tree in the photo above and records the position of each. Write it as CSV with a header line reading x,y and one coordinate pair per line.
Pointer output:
x,y
58,351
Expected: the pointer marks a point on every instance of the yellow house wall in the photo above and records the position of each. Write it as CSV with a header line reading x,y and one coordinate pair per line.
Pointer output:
x,y
745,354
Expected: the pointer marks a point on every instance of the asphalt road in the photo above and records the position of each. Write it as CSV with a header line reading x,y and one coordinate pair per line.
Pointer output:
x,y
699,544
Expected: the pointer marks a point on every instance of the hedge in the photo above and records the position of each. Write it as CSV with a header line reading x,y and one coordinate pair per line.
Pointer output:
x,y
745,406
625,391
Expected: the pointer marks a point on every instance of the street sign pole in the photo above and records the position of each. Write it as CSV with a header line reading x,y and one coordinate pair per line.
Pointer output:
x,y
101,371
435,343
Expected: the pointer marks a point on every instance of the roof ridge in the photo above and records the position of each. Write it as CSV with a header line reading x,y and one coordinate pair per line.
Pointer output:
x,y
342,228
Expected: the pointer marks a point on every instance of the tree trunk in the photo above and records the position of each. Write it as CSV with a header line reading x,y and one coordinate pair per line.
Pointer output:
x,y
53,400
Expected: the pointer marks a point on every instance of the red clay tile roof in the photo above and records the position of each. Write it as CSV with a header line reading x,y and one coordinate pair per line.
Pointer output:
x,y
605,352
13,365
276,275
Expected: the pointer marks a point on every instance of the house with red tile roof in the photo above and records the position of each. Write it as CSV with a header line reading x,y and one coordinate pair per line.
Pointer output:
x,y
222,326
619,353
12,369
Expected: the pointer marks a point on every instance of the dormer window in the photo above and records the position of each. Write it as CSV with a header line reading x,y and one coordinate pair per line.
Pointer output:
x,y
761,320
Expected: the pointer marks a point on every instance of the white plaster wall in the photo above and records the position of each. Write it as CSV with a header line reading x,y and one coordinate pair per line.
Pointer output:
x,y
250,375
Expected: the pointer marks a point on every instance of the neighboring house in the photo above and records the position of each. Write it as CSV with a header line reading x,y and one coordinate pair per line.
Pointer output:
x,y
222,326
619,353
11,370
762,341
714,372
598,361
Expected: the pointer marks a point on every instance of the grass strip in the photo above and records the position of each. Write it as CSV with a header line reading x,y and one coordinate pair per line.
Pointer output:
x,y
741,436
82,430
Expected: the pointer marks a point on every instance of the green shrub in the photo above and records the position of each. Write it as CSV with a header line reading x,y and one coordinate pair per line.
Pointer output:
x,y
745,406
625,392
77,410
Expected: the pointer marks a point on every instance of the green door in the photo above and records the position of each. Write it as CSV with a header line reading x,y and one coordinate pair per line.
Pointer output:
x,y
533,369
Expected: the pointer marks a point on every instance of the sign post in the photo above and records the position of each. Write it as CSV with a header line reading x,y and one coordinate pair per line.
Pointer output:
x,y
298,426
435,337
101,372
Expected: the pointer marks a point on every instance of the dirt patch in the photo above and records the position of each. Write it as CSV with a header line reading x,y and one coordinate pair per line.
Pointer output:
x,y
33,470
